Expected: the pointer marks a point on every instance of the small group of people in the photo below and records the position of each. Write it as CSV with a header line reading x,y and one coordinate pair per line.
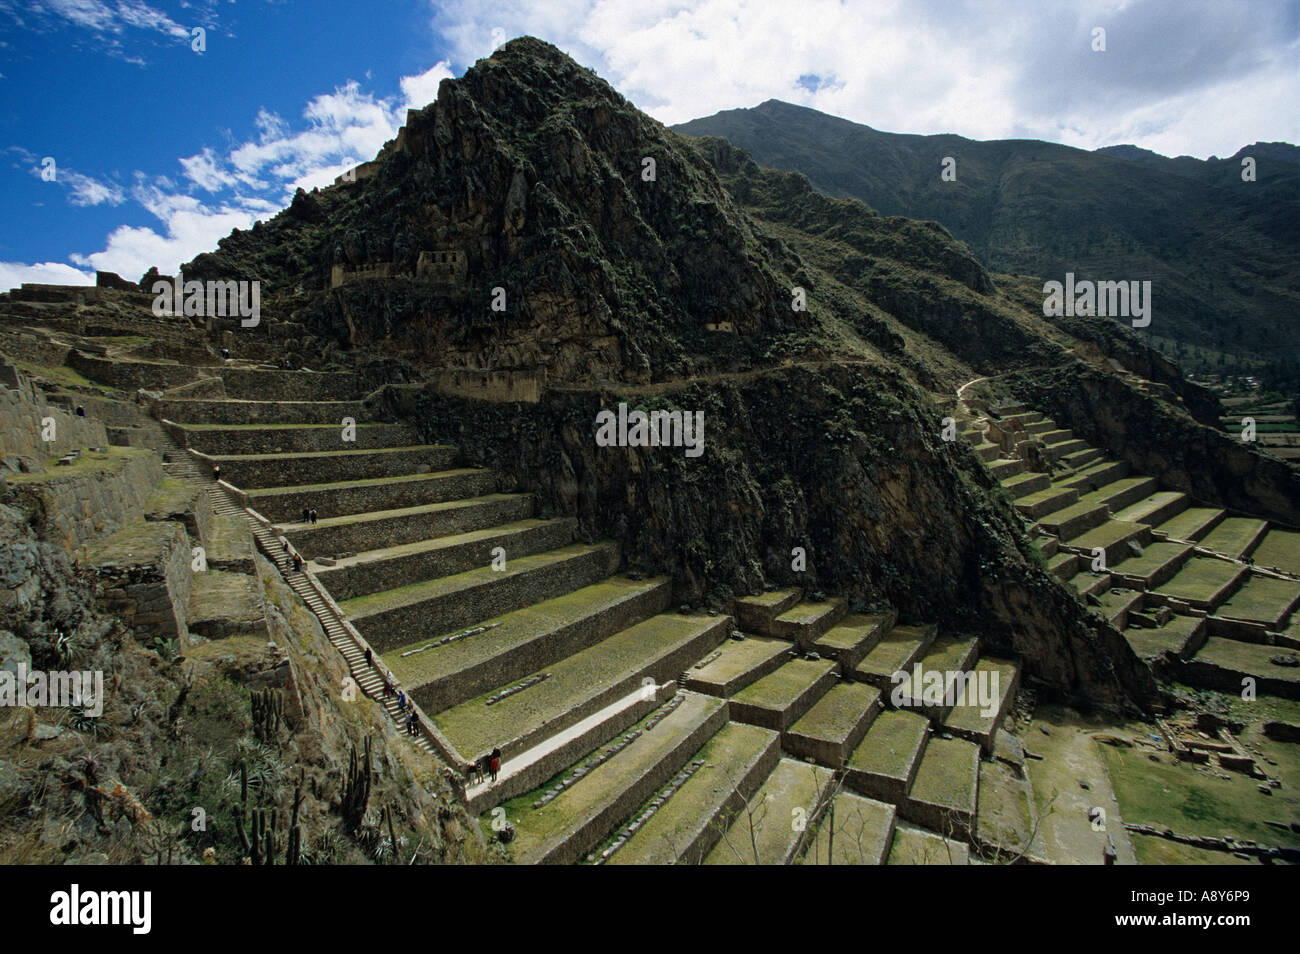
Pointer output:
x,y
308,514
412,723
484,766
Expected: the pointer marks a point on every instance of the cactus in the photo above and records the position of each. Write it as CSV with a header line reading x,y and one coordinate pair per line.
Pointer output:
x,y
356,788
268,712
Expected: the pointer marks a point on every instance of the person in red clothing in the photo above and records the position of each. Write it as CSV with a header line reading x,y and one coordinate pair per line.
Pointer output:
x,y
494,763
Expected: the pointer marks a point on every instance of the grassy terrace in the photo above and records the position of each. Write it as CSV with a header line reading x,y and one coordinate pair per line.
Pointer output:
x,y
1153,558
863,831
225,597
607,782
913,846
1191,524
891,744
1066,514
172,495
895,651
1251,659
1263,600
1108,534
1165,794
947,655
90,462
738,661
1202,581
140,542
1280,548
373,603
805,614
261,492
518,628
782,688
439,543
370,516
1116,488
1143,509
1112,603
734,754
334,454
231,539
948,776
765,835
474,727
1232,536
282,427
851,631
1172,637
836,715
969,716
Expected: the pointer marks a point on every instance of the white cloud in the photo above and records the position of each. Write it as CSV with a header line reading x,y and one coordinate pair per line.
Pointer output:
x,y
1188,76
254,179
13,274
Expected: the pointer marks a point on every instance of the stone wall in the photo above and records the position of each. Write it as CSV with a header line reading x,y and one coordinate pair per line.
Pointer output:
x,y
97,495
130,375
495,386
22,407
143,576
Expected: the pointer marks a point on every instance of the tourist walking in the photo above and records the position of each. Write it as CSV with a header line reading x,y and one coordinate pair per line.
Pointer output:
x,y
494,763
370,657
313,514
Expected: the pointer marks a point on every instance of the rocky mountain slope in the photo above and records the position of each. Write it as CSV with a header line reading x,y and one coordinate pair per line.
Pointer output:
x,y
1221,253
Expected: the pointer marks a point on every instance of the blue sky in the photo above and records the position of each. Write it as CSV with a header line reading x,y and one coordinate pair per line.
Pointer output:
x,y
160,150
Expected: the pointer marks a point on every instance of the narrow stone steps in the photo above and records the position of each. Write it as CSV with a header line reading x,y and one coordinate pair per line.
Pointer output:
x,y
1046,501
929,686
1002,469
1065,448
1094,476
1111,537
1021,485
1076,518
805,622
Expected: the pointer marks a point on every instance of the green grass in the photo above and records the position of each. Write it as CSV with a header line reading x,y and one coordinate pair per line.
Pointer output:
x,y
1194,803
